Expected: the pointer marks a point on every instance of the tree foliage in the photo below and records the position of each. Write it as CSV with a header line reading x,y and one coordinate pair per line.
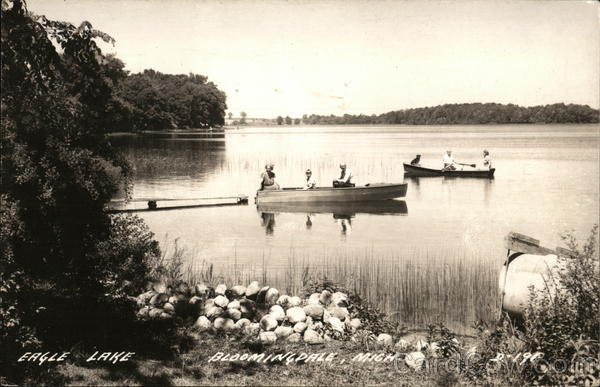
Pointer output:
x,y
468,113
156,101
63,257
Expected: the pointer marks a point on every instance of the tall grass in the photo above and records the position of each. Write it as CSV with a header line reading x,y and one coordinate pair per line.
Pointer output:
x,y
415,289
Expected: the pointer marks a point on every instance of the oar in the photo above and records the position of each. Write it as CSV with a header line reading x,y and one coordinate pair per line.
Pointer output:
x,y
468,165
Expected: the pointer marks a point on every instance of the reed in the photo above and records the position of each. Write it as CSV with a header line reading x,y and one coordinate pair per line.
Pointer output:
x,y
416,289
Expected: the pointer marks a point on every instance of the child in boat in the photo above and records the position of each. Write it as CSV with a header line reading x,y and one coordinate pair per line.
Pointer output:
x,y
311,183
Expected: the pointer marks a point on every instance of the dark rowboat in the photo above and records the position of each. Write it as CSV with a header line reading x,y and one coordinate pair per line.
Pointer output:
x,y
380,191
415,171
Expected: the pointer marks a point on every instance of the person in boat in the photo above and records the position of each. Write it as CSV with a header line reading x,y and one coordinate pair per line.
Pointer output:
x,y
416,161
487,159
267,178
311,183
345,179
449,161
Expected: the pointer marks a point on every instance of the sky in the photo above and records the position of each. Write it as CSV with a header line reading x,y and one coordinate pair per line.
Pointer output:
x,y
357,57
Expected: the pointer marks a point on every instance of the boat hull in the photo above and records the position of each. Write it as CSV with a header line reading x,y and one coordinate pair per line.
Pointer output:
x,y
377,207
414,171
326,194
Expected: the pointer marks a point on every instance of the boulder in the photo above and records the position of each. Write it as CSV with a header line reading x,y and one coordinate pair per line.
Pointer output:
x,y
194,300
238,291
235,314
219,323
210,302
294,301
312,337
267,337
173,300
202,324
283,332
415,360
159,287
314,311
314,299
242,323
229,325
339,299
337,324
355,323
325,297
271,296
283,300
235,304
248,308
221,301
316,326
169,308
252,329
309,321
165,315
252,290
154,312
277,312
143,312
295,315
326,315
294,338
201,289
184,288
385,340
268,323
221,289
214,312
341,313
300,327
261,296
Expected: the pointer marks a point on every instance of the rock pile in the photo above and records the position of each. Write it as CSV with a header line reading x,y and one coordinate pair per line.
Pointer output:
x,y
255,311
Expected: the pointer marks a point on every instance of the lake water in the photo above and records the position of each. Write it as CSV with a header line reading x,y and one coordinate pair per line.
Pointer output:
x,y
432,257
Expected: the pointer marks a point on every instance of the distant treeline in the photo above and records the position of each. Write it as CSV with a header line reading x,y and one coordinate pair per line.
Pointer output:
x,y
155,101
468,113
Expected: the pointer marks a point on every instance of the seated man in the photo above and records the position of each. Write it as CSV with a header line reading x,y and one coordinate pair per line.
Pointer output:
x,y
416,161
487,159
311,183
345,179
267,179
449,161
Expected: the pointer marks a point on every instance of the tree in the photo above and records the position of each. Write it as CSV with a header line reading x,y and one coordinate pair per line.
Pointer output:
x,y
288,120
296,121
243,120
64,259
279,120
230,115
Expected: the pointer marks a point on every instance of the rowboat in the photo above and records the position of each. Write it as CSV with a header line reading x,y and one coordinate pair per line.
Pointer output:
x,y
377,207
379,191
415,171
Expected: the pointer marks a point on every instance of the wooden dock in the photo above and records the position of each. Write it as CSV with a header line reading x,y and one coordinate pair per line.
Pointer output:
x,y
119,206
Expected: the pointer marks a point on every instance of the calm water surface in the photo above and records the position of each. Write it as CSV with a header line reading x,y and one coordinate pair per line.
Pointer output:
x,y
434,256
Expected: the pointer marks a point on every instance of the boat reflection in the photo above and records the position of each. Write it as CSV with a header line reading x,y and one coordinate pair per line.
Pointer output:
x,y
342,212
377,207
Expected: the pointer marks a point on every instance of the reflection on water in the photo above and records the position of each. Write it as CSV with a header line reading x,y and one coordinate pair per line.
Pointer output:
x,y
439,261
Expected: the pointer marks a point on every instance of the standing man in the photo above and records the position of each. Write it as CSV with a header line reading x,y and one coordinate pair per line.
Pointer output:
x,y
267,178
311,183
449,161
345,179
